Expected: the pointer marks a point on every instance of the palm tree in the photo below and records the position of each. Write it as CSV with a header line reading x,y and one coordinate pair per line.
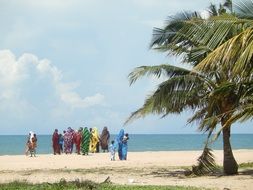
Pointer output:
x,y
237,54
213,91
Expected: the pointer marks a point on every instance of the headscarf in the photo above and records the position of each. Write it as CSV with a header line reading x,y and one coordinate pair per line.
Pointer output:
x,y
120,136
119,142
95,133
31,135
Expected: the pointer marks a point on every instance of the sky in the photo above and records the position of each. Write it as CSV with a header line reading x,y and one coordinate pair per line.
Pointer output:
x,y
64,63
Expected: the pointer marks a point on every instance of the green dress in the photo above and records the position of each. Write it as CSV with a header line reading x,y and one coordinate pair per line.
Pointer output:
x,y
85,141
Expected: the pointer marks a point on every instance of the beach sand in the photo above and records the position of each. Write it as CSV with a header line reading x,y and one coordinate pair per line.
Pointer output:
x,y
142,168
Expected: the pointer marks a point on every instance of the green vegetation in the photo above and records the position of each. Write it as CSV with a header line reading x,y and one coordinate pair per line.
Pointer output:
x,y
217,85
246,165
85,185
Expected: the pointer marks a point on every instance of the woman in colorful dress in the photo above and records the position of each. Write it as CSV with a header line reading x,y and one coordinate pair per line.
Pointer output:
x,y
125,146
120,144
78,139
94,140
55,142
68,141
85,141
104,139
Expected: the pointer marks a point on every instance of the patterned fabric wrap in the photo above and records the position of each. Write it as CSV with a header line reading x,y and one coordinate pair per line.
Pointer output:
x,y
68,141
124,150
85,141
104,139
94,140
119,141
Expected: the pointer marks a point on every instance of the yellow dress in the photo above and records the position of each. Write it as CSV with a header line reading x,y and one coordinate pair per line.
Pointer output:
x,y
94,140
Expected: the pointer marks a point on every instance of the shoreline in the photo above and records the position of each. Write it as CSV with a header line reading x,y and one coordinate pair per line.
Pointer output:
x,y
145,151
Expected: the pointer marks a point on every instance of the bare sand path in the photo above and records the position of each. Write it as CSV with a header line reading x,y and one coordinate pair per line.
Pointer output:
x,y
144,168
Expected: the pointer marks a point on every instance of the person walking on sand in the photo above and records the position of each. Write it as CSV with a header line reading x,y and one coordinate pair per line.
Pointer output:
x,y
34,145
29,142
85,144
104,139
61,140
78,139
68,141
112,149
55,142
125,146
94,140
31,145
119,142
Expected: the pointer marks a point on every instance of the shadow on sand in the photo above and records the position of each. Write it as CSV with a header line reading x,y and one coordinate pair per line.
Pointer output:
x,y
184,173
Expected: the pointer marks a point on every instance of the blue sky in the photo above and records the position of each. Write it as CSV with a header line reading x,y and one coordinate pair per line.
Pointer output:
x,y
65,63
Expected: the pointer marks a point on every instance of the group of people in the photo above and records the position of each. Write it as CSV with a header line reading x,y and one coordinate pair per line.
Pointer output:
x,y
87,141
84,140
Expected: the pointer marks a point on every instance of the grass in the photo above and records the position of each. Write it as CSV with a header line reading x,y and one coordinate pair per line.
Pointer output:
x,y
89,185
246,165
85,185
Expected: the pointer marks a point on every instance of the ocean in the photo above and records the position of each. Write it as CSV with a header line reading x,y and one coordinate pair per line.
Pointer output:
x,y
15,144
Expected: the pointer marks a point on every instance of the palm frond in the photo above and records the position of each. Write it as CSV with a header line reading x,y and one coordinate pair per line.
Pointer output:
x,y
212,9
198,116
235,54
172,26
172,96
206,163
229,5
208,124
157,71
244,9
242,114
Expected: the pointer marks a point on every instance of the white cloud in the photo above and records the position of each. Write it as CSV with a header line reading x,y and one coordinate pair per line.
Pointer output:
x,y
19,74
74,99
205,14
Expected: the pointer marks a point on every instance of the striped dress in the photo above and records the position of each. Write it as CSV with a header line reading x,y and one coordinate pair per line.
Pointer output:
x,y
85,141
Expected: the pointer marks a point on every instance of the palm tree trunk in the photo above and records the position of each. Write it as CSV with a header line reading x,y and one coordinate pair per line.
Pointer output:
x,y
230,166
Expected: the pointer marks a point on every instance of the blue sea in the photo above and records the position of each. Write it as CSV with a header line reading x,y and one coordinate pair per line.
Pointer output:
x,y
15,144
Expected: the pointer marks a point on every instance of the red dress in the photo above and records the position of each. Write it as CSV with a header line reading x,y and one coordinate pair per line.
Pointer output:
x,y
78,139
55,140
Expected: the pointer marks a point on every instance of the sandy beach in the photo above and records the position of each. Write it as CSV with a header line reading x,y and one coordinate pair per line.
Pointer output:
x,y
144,168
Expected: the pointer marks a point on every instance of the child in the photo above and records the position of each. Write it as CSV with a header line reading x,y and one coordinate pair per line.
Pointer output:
x,y
125,146
125,138
61,143
112,149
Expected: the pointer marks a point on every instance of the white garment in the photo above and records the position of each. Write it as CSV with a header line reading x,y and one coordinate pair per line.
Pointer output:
x,y
31,134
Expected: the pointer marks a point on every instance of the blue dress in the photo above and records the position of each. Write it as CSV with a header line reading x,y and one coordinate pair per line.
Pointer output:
x,y
120,144
124,149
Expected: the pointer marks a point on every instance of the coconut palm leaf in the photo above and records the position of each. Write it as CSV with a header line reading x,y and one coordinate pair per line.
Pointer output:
x,y
174,95
229,5
235,54
161,37
244,9
206,163
157,71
